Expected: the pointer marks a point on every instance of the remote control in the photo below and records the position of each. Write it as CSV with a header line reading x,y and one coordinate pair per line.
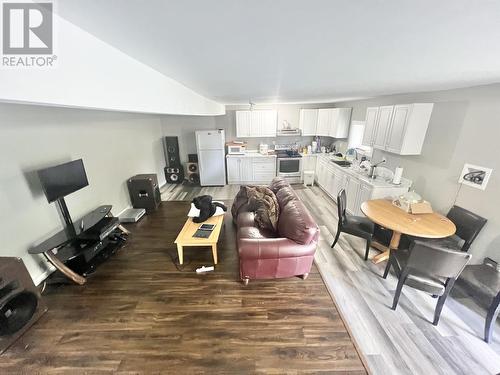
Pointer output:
x,y
204,269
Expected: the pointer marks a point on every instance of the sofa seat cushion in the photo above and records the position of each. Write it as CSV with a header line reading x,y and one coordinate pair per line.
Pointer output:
x,y
254,233
272,248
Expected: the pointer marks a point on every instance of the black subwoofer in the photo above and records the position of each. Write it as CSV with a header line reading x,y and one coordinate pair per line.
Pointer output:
x,y
144,191
20,301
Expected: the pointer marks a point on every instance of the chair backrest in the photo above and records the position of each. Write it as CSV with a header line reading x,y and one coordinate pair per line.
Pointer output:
x,y
434,260
341,206
468,224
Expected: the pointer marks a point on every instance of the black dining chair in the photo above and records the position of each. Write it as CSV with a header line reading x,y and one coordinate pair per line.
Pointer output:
x,y
356,225
468,227
427,267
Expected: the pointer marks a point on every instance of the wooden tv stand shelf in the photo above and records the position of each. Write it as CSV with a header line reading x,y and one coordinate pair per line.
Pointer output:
x,y
64,246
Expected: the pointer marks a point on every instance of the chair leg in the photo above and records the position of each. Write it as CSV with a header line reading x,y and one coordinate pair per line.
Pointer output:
x,y
387,268
442,300
491,318
399,288
336,238
367,251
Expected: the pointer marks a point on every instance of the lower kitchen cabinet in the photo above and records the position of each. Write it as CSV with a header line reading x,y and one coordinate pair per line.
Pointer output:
x,y
333,178
250,170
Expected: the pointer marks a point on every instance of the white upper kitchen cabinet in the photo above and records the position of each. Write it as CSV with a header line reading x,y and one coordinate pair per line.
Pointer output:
x,y
399,129
256,123
308,121
334,122
409,125
370,126
243,123
383,123
339,128
325,119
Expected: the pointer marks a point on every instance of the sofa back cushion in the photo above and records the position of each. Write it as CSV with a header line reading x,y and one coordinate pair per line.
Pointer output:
x,y
296,223
277,183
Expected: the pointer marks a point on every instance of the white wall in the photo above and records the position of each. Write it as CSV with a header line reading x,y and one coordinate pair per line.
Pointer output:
x,y
464,127
92,74
114,146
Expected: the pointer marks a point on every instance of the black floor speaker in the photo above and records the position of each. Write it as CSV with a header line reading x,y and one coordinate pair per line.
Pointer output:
x,y
171,149
174,175
144,191
21,304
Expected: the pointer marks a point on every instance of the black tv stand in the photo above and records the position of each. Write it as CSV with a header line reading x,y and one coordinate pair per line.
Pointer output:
x,y
79,248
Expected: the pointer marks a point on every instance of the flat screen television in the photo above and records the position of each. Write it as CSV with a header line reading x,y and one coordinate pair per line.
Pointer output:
x,y
64,179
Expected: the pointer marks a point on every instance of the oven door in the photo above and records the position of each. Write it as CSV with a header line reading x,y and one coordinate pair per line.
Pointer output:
x,y
289,167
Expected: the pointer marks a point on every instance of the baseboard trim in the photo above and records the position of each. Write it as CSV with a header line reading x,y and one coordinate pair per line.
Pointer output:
x,y
41,278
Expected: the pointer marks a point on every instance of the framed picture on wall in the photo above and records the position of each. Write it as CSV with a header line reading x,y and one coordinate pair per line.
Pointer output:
x,y
475,176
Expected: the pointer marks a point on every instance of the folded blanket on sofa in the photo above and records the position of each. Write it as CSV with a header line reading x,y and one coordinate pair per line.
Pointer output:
x,y
260,200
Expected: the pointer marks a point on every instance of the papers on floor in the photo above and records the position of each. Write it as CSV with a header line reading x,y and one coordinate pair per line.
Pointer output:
x,y
194,212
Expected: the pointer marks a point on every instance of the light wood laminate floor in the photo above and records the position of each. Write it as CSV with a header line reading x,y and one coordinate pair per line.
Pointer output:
x,y
392,342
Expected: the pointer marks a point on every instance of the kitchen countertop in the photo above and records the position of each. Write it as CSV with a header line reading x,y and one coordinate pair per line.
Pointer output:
x,y
251,154
376,182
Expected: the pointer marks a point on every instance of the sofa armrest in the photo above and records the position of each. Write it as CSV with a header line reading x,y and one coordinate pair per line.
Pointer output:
x,y
273,248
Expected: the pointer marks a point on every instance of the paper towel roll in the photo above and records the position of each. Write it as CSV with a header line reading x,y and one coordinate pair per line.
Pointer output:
x,y
398,173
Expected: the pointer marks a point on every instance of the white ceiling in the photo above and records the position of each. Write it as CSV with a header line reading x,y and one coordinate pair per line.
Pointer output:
x,y
299,51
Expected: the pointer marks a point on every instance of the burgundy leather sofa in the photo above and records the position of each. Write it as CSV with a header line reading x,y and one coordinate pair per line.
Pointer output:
x,y
290,252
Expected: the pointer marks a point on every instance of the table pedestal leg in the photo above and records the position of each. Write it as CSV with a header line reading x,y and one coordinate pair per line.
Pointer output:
x,y
396,237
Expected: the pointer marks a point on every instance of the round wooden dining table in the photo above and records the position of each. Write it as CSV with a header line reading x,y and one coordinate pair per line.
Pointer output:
x,y
387,215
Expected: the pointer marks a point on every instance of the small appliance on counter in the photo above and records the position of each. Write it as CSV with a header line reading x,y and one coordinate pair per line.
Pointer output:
x,y
236,148
263,148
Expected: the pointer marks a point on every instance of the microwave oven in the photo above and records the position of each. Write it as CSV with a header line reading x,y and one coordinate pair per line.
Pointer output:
x,y
236,149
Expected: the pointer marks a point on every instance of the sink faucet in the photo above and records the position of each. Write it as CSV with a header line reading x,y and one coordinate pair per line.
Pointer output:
x,y
373,166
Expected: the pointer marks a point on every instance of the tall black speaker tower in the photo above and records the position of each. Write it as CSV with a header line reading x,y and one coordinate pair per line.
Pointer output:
x,y
174,172
171,148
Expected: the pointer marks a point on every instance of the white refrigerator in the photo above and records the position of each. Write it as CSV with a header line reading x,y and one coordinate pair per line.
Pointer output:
x,y
211,159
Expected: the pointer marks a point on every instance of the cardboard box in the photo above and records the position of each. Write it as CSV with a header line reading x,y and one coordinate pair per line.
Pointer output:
x,y
421,208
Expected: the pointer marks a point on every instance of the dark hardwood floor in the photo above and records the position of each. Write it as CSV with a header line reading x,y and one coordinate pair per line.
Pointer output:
x,y
139,314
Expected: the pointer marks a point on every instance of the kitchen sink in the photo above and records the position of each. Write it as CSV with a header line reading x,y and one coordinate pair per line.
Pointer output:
x,y
342,163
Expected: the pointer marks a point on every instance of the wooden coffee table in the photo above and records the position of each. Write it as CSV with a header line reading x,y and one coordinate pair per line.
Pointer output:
x,y
185,237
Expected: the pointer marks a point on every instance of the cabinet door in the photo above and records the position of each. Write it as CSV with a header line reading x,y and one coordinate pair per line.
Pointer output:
x,y
330,182
256,123
365,194
383,123
269,123
370,125
325,119
352,191
341,119
246,170
243,123
396,133
233,170
308,121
